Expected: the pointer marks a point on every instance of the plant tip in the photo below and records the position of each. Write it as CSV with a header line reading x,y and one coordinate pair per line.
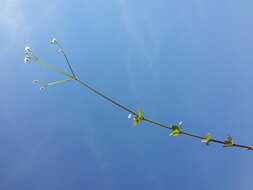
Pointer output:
x,y
53,41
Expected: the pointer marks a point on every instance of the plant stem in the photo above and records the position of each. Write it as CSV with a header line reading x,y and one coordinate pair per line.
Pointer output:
x,y
151,121
73,77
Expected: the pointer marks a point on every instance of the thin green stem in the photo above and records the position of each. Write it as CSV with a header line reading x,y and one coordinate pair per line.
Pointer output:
x,y
105,97
69,65
51,67
154,122
58,82
66,58
117,104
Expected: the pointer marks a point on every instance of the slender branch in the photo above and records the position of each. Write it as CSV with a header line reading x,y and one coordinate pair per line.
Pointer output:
x,y
154,122
105,97
51,67
58,82
66,58
137,116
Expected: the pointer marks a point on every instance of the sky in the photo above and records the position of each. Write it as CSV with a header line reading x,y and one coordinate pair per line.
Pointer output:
x,y
178,60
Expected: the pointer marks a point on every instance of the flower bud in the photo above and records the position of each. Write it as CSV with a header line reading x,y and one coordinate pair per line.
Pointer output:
x,y
53,41
35,81
43,88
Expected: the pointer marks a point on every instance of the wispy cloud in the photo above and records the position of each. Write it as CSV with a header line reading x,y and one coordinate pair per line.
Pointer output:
x,y
13,25
145,42
11,15
132,29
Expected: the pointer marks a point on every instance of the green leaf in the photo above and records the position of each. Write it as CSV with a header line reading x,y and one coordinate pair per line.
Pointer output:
x,y
207,139
175,130
228,142
72,78
140,114
136,121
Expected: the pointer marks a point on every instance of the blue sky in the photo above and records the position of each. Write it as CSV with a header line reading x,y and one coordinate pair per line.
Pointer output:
x,y
177,60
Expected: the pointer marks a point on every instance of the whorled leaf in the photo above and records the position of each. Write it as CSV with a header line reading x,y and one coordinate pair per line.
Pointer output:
x,y
140,114
228,142
207,139
137,119
175,130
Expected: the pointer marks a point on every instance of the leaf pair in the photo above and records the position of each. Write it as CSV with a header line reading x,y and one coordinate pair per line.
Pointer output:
x,y
228,142
175,129
207,139
137,119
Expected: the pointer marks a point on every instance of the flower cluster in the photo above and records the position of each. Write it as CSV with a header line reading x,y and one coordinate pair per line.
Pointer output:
x,y
27,53
30,56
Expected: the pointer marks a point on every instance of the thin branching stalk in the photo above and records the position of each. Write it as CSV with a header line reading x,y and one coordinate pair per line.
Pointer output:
x,y
136,115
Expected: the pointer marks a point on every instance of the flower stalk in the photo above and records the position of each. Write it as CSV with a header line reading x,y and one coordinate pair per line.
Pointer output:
x,y
136,116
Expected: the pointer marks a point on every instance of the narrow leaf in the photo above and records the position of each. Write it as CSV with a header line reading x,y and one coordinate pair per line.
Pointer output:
x,y
140,114
207,139
228,142
136,121
175,130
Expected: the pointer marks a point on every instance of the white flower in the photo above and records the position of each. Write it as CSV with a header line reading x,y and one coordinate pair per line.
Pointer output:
x,y
27,48
53,41
130,116
26,60
43,88
180,123
35,81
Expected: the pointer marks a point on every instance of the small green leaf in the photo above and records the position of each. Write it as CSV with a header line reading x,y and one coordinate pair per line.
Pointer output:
x,y
140,114
72,78
136,121
207,139
138,118
228,142
175,130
